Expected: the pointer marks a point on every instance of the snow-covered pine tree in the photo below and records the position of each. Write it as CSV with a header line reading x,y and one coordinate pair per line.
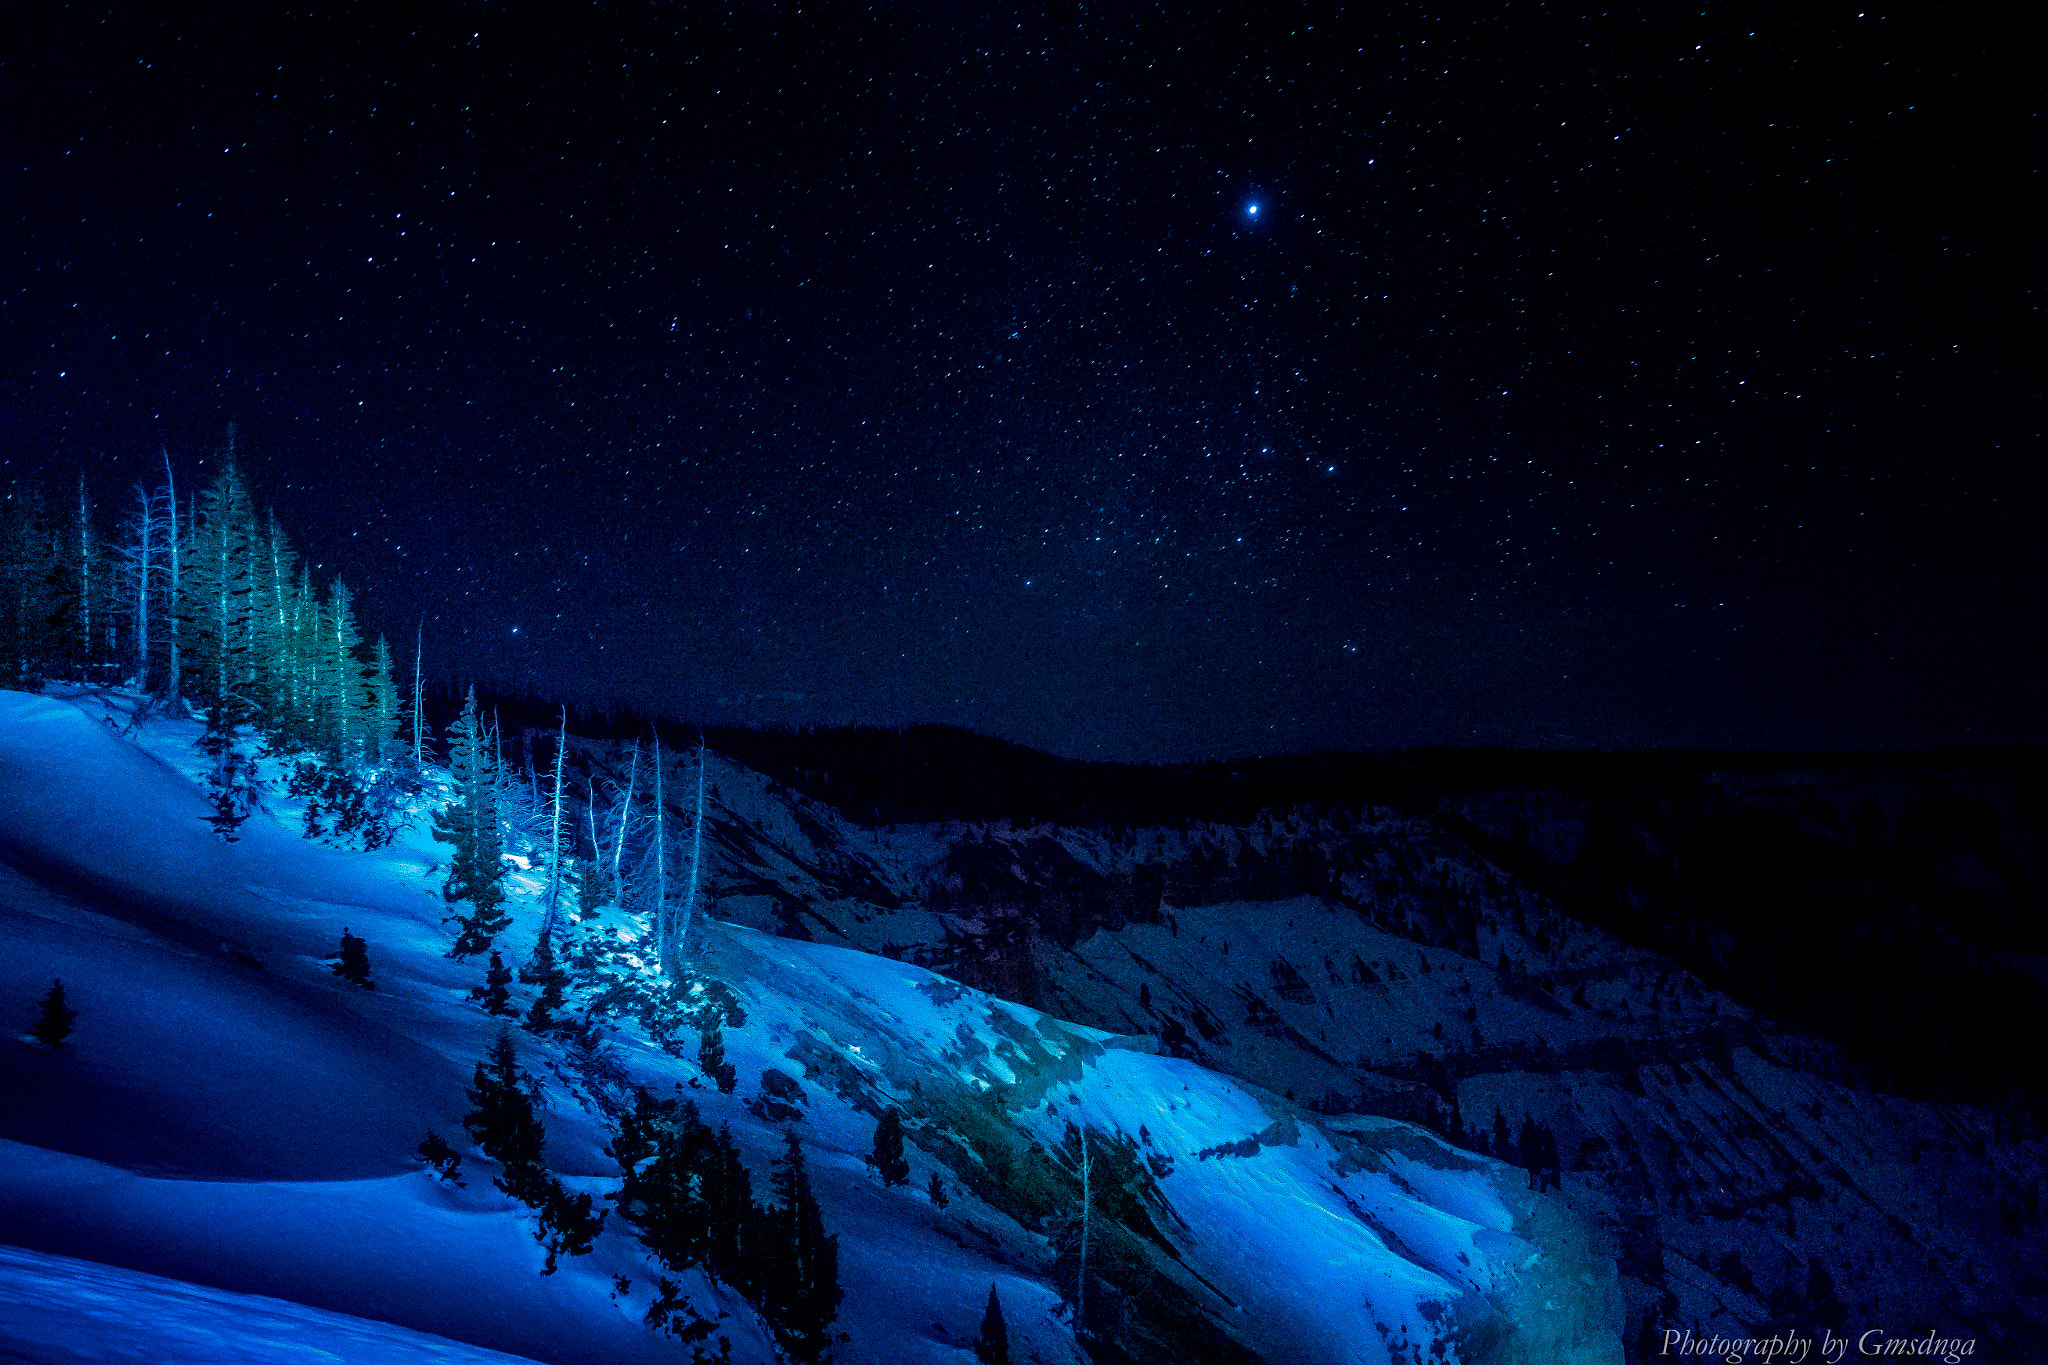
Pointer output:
x,y
305,659
216,605
54,1018
887,1157
277,657
469,824
992,1343
381,741
344,711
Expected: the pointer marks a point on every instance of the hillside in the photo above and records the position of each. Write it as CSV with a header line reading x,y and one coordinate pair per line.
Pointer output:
x,y
1767,1013
226,1142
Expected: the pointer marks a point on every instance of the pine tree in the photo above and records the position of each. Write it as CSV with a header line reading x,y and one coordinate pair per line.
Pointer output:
x,y
506,1124
937,1191
216,605
664,1191
352,963
544,971
381,742
800,1283
470,824
887,1158
496,992
275,642
345,716
711,1060
992,1344
445,1161
31,554
53,1024
231,783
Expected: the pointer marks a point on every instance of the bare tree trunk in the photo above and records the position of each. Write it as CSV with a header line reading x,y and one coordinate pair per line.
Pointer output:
x,y
1087,1209
663,942
547,923
84,578
419,636
696,856
625,815
145,552
171,615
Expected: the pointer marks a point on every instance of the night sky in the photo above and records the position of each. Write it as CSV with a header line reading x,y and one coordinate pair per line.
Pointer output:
x,y
1132,383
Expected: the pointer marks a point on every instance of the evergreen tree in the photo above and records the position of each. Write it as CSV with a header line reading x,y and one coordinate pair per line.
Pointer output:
x,y
345,702
352,963
496,992
711,1060
887,1158
568,1223
231,783
639,1133
506,1124
216,606
992,1344
381,742
470,824
31,573
444,1160
275,642
53,1024
937,1191
800,1280
685,1190
544,971
733,1222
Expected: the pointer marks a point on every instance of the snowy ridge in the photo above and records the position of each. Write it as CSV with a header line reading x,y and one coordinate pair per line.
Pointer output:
x,y
230,1114
1373,961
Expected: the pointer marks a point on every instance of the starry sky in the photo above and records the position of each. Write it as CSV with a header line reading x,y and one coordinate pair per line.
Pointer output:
x,y
1134,382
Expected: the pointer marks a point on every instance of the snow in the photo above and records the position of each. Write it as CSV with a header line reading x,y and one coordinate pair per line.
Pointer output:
x,y
225,1145
54,1308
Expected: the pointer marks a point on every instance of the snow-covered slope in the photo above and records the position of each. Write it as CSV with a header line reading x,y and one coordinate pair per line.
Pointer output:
x,y
230,1114
1371,961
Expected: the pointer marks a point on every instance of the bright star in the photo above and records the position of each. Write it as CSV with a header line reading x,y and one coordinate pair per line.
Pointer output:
x,y
1251,210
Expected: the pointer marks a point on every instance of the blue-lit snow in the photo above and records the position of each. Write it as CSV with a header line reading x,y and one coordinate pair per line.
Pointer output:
x,y
251,1127
54,1308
